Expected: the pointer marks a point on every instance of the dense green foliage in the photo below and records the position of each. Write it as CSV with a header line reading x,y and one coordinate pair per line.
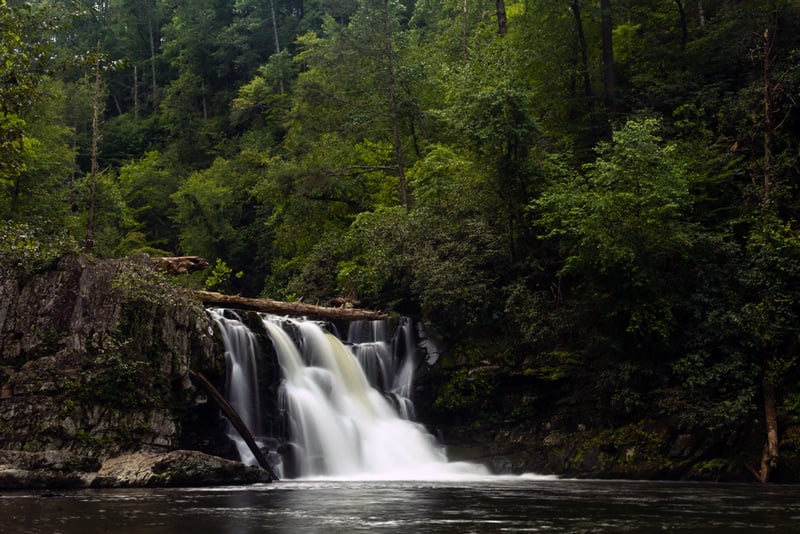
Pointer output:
x,y
625,233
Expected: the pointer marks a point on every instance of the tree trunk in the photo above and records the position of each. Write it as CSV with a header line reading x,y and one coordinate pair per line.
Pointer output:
x,y
90,226
587,84
153,57
684,23
701,16
274,27
769,127
296,309
275,37
769,458
609,80
203,100
465,32
135,95
235,420
502,20
393,107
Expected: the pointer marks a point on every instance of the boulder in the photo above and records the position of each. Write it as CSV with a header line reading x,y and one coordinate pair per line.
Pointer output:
x,y
46,470
175,468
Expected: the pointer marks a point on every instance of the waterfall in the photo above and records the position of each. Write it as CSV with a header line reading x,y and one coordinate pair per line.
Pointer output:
x,y
241,384
405,354
346,405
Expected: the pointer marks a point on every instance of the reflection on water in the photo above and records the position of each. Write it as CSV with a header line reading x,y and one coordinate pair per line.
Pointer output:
x,y
496,504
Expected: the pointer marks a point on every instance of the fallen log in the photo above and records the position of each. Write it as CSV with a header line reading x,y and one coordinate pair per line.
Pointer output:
x,y
180,264
235,420
296,309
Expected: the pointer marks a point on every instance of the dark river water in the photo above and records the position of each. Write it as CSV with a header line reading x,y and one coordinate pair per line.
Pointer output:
x,y
496,504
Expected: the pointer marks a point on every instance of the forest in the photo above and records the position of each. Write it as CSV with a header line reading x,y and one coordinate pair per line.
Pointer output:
x,y
600,196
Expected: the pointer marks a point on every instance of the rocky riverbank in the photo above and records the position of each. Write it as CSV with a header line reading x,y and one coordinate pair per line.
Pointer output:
x,y
63,470
515,423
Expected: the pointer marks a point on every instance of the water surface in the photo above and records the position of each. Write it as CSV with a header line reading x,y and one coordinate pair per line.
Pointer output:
x,y
491,504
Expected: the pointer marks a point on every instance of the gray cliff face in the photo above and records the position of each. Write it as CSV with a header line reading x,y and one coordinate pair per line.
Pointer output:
x,y
94,357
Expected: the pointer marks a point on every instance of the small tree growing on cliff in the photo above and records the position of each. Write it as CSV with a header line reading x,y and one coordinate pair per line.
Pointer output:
x,y
220,276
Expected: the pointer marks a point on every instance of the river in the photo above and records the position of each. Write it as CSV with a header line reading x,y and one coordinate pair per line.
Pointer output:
x,y
484,505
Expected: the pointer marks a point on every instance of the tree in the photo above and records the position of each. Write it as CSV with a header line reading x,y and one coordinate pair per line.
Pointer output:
x,y
39,188
97,111
772,246
622,231
493,115
443,261
147,187
194,108
218,218
352,84
25,44
769,319
136,27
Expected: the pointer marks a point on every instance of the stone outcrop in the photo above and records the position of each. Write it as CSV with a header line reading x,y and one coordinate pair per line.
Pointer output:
x,y
46,470
176,468
94,364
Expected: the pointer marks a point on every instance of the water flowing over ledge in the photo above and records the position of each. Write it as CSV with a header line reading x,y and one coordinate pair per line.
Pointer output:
x,y
343,407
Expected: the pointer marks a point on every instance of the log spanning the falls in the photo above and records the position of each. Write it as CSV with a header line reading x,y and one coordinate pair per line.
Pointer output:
x,y
295,309
235,420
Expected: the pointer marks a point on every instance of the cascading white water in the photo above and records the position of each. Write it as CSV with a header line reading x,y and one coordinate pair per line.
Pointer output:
x,y
405,353
389,366
241,385
340,424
